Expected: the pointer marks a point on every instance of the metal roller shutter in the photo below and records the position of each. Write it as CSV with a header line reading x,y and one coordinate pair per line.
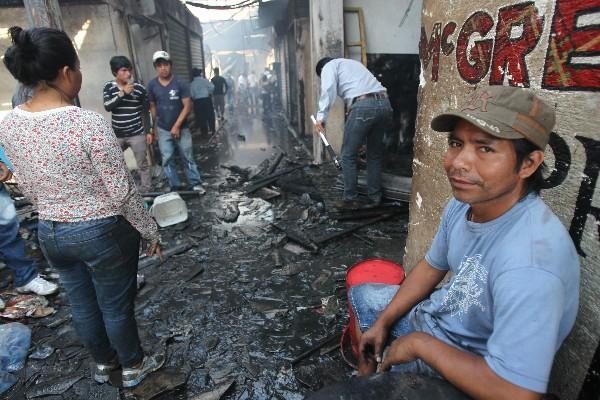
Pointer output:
x,y
197,53
179,49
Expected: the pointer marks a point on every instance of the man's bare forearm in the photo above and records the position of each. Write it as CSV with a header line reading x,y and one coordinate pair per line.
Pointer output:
x,y
467,371
153,113
419,283
187,108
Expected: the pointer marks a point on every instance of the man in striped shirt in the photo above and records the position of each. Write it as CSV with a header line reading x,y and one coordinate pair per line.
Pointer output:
x,y
128,102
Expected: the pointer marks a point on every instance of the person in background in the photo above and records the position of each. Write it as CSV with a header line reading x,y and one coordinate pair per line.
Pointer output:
x,y
170,105
242,90
230,91
220,90
201,90
370,113
91,217
252,90
265,94
127,100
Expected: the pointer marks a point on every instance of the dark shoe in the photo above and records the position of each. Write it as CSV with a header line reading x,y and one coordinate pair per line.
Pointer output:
x,y
372,204
133,376
347,205
102,371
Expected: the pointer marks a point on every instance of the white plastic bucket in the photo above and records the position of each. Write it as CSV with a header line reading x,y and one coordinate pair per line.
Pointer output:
x,y
169,209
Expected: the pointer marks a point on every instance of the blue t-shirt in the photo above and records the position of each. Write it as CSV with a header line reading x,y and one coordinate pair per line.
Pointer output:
x,y
514,291
168,101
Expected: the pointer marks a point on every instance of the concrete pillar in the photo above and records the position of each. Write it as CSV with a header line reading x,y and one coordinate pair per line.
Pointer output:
x,y
44,13
327,40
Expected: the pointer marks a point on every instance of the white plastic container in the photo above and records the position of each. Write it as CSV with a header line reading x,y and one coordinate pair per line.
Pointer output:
x,y
169,209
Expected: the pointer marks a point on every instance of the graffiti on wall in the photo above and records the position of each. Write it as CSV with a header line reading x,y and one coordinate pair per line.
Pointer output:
x,y
571,57
573,47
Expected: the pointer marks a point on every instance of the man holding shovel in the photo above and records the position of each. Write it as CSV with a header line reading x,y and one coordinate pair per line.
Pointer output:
x,y
369,113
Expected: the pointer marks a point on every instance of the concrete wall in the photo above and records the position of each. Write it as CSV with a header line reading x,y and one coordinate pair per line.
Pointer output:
x,y
469,43
98,34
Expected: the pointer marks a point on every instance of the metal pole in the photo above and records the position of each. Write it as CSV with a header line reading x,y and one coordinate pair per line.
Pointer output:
x,y
44,13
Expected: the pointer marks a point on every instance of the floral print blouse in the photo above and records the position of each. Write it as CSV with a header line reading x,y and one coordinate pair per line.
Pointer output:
x,y
68,162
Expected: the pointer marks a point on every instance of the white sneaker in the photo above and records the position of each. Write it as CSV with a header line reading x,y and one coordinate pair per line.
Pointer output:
x,y
39,286
199,189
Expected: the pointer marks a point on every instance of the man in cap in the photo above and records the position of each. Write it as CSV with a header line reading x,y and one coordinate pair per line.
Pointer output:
x,y
127,100
170,104
369,115
493,329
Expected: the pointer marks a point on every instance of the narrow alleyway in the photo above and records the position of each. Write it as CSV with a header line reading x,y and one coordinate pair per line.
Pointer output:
x,y
237,310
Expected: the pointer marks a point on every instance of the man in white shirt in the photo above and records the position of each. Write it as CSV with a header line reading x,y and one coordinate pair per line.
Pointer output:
x,y
252,90
369,113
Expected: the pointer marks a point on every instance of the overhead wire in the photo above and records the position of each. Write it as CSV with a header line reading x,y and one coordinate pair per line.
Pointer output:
x,y
243,3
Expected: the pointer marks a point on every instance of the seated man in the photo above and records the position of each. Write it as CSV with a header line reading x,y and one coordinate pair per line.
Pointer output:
x,y
493,329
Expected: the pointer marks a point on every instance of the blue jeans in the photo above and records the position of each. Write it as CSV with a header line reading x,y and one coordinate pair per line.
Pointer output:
x,y
367,121
97,264
167,146
368,302
12,246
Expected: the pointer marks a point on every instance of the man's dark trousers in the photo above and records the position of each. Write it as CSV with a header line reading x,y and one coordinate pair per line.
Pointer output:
x,y
205,114
367,121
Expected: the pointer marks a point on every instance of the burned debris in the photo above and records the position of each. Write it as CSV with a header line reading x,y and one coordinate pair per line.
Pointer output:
x,y
249,302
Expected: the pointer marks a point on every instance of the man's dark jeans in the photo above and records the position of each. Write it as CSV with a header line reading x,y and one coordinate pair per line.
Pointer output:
x,y
367,121
97,263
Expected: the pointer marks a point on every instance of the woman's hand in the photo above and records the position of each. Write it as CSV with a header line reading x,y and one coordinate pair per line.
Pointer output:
x,y
154,249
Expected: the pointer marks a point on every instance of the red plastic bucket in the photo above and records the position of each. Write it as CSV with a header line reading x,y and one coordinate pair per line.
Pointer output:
x,y
375,270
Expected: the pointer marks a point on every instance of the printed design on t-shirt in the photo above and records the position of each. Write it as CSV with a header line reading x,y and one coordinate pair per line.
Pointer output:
x,y
466,287
173,94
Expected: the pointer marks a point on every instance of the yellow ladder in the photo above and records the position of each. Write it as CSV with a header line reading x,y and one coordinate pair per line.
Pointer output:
x,y
362,43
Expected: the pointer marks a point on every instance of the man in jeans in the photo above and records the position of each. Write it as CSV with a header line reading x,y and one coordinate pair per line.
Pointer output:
x,y
128,102
201,90
12,246
220,90
369,114
170,104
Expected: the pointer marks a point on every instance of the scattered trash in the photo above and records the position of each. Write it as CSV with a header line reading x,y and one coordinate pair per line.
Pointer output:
x,y
215,393
42,352
141,281
321,280
229,213
54,386
27,305
14,344
169,209
290,269
159,382
295,249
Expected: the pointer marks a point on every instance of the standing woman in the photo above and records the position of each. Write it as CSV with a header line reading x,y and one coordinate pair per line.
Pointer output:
x,y
91,217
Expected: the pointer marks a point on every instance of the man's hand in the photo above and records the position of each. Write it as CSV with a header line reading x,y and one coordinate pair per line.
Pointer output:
x,y
5,173
401,351
371,345
149,137
175,132
128,88
319,127
154,248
